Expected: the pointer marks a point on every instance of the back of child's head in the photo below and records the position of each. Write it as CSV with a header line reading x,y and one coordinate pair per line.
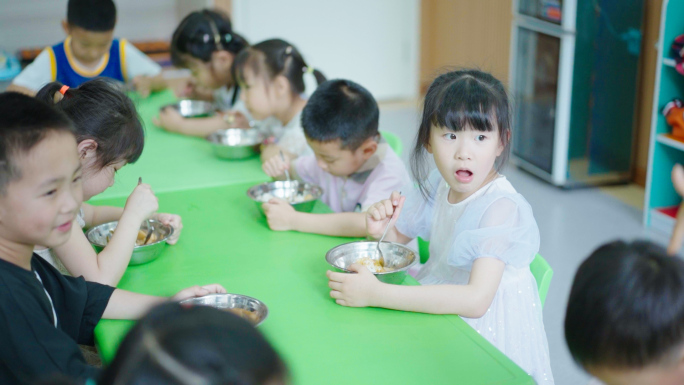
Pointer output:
x,y
102,113
274,57
176,344
626,307
201,33
25,122
92,15
461,100
341,109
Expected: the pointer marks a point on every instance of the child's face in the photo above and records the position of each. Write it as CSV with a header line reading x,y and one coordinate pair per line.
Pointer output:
x,y
96,179
213,74
465,159
257,95
88,46
40,206
672,374
333,159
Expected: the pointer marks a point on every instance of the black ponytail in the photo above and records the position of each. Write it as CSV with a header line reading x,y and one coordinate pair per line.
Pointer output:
x,y
201,33
102,113
276,57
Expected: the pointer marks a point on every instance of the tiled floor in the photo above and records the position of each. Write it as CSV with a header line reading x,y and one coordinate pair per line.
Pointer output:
x,y
572,224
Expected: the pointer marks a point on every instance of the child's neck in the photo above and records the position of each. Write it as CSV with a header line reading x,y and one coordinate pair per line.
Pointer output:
x,y
458,197
16,253
296,106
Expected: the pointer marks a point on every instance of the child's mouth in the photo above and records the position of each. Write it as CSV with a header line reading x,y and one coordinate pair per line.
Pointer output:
x,y
464,175
65,227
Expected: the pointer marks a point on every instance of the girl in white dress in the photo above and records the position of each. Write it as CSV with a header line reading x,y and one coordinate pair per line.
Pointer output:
x,y
483,235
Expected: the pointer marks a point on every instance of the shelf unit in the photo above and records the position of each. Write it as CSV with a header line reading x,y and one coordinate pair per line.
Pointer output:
x,y
664,151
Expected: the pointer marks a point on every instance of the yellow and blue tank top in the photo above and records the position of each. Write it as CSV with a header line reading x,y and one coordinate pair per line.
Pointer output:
x,y
65,68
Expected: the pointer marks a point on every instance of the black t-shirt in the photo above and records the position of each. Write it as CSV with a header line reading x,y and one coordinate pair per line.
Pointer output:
x,y
31,347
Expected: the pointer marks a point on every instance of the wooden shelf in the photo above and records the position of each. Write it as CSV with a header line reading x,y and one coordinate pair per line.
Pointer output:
x,y
670,62
669,140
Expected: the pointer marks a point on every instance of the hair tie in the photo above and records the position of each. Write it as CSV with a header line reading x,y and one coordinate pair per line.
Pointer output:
x,y
308,70
228,37
288,50
63,90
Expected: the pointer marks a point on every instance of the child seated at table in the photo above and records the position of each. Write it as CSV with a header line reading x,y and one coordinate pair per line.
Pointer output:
x,y
90,51
624,322
177,344
482,233
110,135
351,162
204,42
43,314
273,78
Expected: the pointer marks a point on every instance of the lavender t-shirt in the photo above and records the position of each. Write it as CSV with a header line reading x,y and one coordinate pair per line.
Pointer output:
x,y
383,173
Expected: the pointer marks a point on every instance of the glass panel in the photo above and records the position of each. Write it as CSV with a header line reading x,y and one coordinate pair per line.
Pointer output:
x,y
547,10
536,85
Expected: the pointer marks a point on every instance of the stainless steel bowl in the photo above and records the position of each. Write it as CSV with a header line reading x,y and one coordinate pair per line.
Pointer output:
x,y
398,258
257,309
98,236
236,143
285,189
193,108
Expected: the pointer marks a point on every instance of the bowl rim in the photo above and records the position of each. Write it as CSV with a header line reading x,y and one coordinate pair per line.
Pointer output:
x,y
269,184
198,101
405,268
188,302
92,229
259,137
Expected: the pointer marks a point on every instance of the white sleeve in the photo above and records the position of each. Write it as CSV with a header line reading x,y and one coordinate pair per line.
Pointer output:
x,y
137,63
38,73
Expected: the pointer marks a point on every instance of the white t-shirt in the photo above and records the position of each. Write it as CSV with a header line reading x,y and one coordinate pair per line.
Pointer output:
x,y
39,72
291,136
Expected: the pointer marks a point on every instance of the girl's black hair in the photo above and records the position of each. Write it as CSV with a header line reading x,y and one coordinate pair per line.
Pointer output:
x,y
176,344
626,307
201,33
459,100
104,114
275,57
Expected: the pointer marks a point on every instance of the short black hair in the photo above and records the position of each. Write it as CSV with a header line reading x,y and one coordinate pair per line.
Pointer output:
x,y
177,344
92,15
24,122
103,113
341,109
626,307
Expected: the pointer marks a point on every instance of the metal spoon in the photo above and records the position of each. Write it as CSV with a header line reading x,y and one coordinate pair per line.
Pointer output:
x,y
289,181
381,259
146,225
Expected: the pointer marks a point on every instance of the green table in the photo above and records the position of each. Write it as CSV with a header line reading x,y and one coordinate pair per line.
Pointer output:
x,y
226,240
172,162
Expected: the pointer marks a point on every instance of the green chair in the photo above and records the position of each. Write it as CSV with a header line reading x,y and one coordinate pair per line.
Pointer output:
x,y
393,141
540,269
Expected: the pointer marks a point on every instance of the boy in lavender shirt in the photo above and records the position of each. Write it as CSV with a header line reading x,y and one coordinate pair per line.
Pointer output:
x,y
351,162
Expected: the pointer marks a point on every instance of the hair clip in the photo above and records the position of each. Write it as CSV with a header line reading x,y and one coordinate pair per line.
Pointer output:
x,y
228,37
288,50
63,90
308,70
206,38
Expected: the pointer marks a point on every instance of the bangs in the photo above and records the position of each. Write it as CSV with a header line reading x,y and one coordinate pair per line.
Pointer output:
x,y
464,106
246,58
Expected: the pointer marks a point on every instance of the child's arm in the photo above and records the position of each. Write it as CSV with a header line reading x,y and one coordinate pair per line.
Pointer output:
x,y
109,265
128,305
17,88
172,121
282,217
471,300
145,85
271,151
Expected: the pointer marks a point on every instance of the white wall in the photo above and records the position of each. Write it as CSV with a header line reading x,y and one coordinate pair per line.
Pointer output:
x,y
372,42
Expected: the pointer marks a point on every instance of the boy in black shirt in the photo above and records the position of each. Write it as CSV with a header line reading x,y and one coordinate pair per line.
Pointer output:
x,y
43,315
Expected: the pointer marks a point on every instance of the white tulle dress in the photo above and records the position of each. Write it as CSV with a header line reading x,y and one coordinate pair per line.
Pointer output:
x,y
495,222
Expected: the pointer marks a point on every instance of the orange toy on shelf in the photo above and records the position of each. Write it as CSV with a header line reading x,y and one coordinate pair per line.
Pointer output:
x,y
674,114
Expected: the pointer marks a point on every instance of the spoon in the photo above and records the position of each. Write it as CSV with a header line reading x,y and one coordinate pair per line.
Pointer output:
x,y
146,225
381,258
287,175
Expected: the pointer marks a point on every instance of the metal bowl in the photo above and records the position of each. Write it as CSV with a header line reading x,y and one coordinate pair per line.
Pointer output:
x,y
236,143
193,108
98,236
398,258
257,310
284,189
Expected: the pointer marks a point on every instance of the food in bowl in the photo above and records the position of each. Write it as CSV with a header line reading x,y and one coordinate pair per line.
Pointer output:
x,y
372,264
249,315
140,240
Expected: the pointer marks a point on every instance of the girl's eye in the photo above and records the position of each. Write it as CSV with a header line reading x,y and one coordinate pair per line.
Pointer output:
x,y
450,136
480,138
51,193
77,179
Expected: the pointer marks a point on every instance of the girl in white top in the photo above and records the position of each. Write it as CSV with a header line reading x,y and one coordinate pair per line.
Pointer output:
x,y
272,76
483,235
204,42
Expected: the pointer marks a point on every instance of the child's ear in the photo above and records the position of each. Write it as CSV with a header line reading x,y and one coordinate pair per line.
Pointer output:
x,y
66,27
503,143
368,148
87,149
428,147
281,86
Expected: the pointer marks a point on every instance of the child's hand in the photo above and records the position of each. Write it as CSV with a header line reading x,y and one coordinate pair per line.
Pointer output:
x,y
279,214
170,120
143,84
236,119
678,232
355,290
172,220
186,89
381,212
276,166
142,202
198,291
